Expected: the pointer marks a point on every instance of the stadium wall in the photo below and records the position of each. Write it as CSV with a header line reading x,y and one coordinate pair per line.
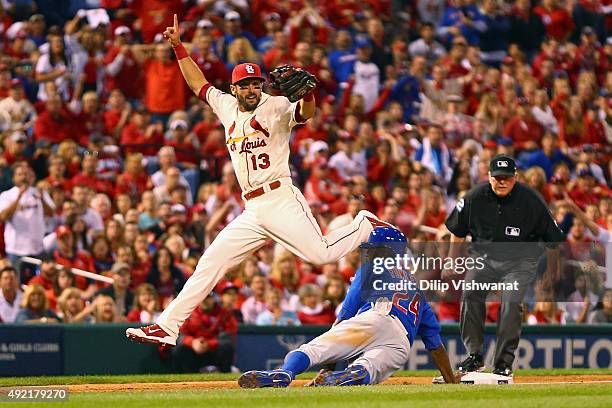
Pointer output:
x,y
103,349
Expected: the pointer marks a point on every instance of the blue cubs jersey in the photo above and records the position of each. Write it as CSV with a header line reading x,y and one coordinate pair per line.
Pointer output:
x,y
408,302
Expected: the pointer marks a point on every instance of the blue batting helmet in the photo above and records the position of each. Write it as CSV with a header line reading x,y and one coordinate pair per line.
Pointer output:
x,y
386,237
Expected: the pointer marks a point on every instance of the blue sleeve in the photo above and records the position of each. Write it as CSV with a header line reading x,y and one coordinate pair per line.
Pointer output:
x,y
352,302
418,155
479,21
429,328
396,91
447,19
332,61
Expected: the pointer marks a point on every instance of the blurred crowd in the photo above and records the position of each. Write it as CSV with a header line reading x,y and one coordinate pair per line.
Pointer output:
x,y
109,164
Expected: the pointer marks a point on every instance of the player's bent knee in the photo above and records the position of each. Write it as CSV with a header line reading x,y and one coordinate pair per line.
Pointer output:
x,y
318,256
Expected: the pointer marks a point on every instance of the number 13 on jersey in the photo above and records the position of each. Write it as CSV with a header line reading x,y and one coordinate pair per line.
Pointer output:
x,y
261,161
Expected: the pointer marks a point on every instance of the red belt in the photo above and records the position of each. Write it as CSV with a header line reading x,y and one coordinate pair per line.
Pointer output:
x,y
260,191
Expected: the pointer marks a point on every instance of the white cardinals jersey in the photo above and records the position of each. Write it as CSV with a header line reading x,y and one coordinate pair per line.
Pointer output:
x,y
258,141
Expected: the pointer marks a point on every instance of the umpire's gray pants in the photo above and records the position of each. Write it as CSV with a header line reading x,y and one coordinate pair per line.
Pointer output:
x,y
473,307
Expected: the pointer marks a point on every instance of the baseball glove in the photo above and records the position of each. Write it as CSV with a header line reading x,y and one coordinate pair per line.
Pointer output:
x,y
294,83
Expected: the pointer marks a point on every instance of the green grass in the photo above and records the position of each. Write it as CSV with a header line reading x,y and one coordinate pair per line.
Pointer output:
x,y
150,378
558,396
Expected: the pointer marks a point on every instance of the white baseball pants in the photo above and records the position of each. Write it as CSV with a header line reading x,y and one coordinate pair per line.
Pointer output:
x,y
283,215
378,341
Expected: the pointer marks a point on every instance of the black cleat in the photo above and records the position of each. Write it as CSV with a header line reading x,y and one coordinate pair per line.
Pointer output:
x,y
474,362
503,369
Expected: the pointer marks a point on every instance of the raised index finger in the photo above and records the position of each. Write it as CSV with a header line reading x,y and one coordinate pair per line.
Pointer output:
x,y
176,23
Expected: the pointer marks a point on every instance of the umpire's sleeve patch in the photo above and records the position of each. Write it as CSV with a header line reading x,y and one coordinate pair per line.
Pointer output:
x,y
460,205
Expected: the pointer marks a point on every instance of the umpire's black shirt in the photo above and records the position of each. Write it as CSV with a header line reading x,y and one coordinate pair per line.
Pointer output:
x,y
520,220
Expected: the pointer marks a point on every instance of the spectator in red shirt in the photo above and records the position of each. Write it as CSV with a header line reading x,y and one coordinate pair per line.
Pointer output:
x,y
307,25
57,170
312,309
590,55
432,212
15,145
557,20
54,124
572,124
117,114
123,71
595,132
89,120
15,47
586,191
523,129
453,61
146,305
381,165
207,338
134,181
154,15
164,84
551,51
181,140
321,185
68,255
208,123
48,272
546,312
140,135
89,175
279,54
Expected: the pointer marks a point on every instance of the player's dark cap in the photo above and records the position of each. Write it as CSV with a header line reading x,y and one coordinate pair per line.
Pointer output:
x,y
586,172
246,70
502,165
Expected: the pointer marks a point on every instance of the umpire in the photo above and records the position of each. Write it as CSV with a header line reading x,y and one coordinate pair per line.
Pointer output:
x,y
506,220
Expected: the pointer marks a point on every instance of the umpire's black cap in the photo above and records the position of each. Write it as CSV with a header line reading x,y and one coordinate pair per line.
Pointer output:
x,y
502,165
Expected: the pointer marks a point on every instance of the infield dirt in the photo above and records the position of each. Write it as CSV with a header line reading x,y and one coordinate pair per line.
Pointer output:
x,y
194,385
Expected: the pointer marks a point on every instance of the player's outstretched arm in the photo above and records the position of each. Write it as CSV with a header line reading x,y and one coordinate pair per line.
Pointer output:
x,y
440,359
308,107
192,74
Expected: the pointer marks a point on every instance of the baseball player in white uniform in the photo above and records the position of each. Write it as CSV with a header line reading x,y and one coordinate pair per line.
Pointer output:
x,y
257,129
